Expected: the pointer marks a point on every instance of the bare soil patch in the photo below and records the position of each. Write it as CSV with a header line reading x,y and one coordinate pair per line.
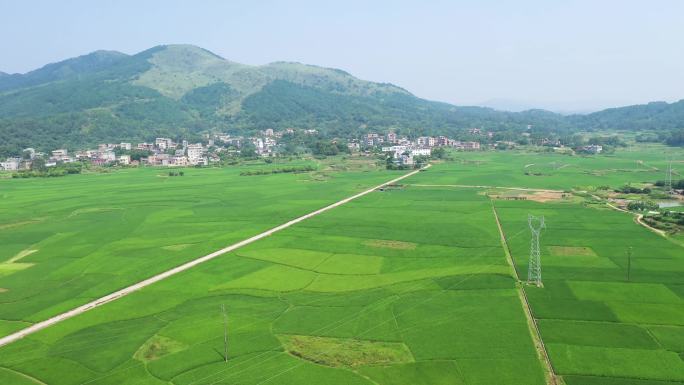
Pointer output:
x,y
572,251
537,196
390,244
546,196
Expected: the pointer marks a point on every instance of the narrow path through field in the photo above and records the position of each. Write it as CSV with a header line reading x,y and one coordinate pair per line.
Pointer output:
x,y
550,374
188,265
497,187
638,219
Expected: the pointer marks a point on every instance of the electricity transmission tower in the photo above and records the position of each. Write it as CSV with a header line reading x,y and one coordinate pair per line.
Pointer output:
x,y
534,270
668,179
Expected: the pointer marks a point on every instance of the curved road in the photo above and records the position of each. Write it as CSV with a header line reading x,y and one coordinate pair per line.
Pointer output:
x,y
188,265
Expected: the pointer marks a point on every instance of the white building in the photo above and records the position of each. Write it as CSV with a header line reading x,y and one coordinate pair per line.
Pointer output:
x,y
394,149
125,146
124,160
421,152
11,164
195,152
163,143
108,156
180,161
60,155
593,148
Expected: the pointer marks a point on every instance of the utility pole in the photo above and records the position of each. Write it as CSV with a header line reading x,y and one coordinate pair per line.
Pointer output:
x,y
534,267
629,262
225,332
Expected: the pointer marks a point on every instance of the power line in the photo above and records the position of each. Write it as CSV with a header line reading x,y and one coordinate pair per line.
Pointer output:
x,y
629,262
225,332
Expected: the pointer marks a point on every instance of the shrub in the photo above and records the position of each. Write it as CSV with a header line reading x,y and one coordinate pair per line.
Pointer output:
x,y
278,171
642,205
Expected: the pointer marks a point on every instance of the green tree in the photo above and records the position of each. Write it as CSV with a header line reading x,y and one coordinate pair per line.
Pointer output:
x,y
38,164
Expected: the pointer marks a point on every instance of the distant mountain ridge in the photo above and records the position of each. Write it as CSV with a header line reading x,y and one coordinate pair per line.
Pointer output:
x,y
70,68
183,90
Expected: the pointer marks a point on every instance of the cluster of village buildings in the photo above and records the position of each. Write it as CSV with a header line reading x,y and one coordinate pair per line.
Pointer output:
x,y
161,152
166,152
403,150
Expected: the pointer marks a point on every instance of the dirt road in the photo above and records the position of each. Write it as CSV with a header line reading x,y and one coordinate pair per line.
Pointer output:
x,y
638,219
493,187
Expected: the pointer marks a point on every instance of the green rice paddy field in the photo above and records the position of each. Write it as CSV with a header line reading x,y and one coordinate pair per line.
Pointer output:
x,y
645,163
599,327
65,241
406,286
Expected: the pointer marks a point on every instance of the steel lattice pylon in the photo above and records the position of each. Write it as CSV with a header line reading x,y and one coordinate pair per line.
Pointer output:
x,y
668,179
534,269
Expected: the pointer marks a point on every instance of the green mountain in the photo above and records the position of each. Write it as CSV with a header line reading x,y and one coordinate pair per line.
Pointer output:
x,y
65,70
651,116
183,90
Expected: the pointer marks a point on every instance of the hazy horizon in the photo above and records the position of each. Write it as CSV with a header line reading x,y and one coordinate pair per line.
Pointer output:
x,y
575,57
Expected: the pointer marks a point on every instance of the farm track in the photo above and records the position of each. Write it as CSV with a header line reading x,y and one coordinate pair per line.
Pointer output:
x,y
551,376
496,187
638,219
186,266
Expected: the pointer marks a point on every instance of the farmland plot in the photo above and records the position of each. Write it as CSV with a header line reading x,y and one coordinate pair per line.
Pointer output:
x,y
407,286
66,241
601,323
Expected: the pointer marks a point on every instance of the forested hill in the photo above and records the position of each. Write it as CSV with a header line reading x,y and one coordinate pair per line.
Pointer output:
x,y
181,90
651,116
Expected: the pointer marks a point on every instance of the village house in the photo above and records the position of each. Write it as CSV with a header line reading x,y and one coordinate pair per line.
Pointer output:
x,y
353,146
124,160
195,153
421,152
470,146
592,149
163,143
11,164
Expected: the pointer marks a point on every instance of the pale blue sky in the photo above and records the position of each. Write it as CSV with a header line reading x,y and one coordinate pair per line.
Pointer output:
x,y
564,55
